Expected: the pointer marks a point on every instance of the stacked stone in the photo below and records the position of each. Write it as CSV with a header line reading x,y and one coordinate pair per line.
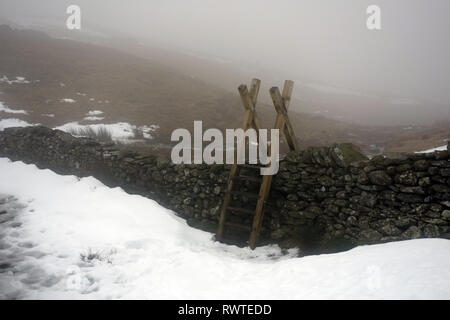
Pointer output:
x,y
364,201
319,195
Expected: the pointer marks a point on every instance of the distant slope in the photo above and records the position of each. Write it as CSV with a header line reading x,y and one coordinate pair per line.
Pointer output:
x,y
148,90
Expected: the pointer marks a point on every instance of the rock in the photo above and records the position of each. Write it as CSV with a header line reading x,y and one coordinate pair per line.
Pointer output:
x,y
446,214
363,178
441,188
390,230
404,222
431,231
345,153
380,178
404,167
370,235
416,190
217,190
292,197
313,212
424,182
409,198
441,155
421,165
368,200
413,232
326,181
408,178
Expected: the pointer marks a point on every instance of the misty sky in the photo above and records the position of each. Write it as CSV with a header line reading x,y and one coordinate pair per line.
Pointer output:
x,y
312,41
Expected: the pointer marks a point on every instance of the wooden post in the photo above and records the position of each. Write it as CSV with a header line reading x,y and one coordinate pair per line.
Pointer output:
x,y
281,104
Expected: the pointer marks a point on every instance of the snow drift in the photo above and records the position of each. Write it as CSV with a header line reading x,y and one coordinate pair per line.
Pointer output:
x,y
64,237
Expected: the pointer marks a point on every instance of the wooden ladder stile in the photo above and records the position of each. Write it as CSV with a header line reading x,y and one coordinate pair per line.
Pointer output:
x,y
282,123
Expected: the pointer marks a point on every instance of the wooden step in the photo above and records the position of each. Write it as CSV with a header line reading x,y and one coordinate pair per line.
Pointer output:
x,y
252,166
241,210
238,226
247,178
245,194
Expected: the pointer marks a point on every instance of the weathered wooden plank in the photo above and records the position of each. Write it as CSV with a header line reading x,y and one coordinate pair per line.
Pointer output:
x,y
282,112
226,202
259,213
254,91
287,92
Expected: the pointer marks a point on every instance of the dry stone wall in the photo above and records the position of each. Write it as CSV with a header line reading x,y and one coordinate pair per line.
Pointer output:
x,y
322,199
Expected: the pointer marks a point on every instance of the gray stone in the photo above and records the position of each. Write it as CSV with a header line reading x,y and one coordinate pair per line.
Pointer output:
x,y
413,232
380,178
441,188
363,178
408,178
446,214
370,235
390,230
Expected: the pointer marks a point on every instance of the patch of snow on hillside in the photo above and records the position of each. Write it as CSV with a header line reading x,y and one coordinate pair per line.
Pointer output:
x,y
12,122
18,80
94,113
93,118
119,131
443,148
65,237
68,100
4,108
147,130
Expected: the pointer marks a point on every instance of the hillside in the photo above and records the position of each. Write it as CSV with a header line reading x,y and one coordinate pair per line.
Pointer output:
x,y
65,80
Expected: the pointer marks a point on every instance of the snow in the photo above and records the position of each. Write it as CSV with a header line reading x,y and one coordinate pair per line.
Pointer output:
x,y
119,131
18,80
147,130
68,100
93,118
12,122
50,115
63,237
94,113
443,148
4,108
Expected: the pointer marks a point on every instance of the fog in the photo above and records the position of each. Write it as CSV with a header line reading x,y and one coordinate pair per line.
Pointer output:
x,y
317,43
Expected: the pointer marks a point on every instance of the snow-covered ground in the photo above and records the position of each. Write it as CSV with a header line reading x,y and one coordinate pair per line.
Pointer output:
x,y
18,80
119,131
4,108
68,100
442,148
12,122
122,131
65,237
